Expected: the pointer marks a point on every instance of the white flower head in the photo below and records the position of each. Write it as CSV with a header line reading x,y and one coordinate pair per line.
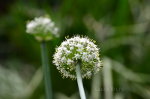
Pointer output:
x,y
77,49
43,28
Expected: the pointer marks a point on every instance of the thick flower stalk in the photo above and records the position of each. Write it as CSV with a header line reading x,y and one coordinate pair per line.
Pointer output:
x,y
77,58
43,28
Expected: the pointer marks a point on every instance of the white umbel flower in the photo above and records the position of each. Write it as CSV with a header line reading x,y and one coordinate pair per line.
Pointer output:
x,y
43,28
77,49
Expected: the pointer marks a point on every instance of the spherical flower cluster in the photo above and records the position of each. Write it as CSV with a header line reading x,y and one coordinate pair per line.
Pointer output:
x,y
43,28
77,49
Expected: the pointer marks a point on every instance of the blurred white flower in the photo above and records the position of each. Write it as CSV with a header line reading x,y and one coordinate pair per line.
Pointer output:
x,y
74,49
43,28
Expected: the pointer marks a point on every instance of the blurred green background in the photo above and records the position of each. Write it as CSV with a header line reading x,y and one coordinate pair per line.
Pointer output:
x,y
120,27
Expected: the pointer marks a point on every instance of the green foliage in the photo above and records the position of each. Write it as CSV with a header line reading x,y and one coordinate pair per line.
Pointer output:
x,y
120,27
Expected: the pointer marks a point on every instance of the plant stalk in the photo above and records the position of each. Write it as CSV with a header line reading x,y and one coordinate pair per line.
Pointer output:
x,y
108,83
79,81
46,71
96,84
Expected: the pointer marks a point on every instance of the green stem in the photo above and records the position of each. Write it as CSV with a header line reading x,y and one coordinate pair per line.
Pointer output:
x,y
108,83
96,84
79,81
46,71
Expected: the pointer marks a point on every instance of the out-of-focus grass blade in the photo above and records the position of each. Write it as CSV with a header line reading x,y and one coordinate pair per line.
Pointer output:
x,y
34,83
128,74
96,88
107,77
63,96
12,86
140,90
118,96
